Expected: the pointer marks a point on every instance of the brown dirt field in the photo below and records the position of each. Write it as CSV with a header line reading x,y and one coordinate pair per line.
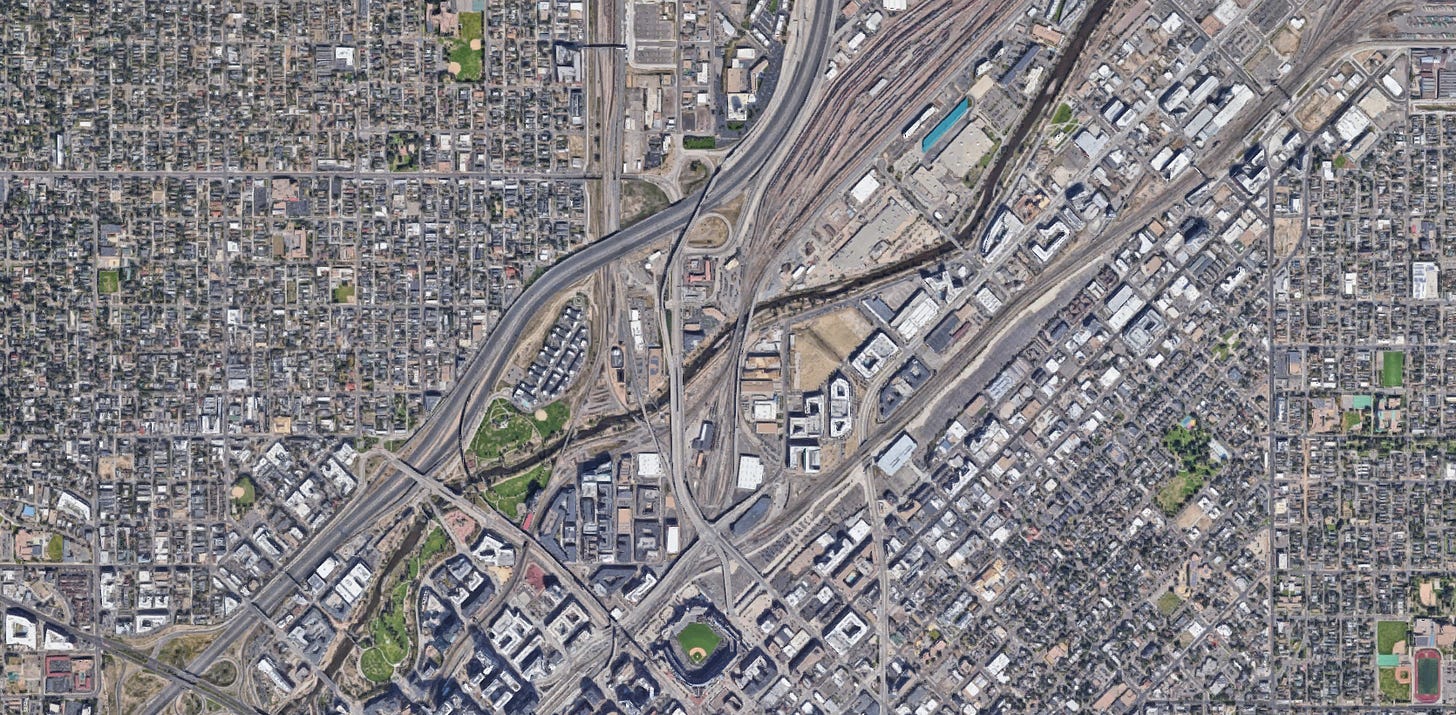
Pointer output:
x,y
812,361
842,331
1315,111
1285,42
137,689
453,68
709,233
1286,235
730,210
641,199
106,466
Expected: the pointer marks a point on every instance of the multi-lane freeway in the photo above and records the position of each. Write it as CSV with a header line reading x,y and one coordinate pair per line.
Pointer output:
x,y
436,447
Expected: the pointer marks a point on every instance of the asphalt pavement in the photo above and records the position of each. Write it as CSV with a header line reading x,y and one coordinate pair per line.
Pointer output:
x,y
435,447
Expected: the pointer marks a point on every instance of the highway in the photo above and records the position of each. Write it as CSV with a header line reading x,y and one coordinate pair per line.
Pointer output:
x,y
437,444
383,495
177,678
435,448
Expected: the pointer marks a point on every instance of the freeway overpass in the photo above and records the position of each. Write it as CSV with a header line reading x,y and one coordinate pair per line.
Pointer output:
x,y
435,447
437,444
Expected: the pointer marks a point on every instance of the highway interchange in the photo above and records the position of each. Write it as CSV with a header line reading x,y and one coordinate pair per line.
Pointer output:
x,y
435,450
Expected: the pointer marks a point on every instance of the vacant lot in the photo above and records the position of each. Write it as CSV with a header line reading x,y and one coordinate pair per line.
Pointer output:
x,y
221,674
641,199
694,176
709,232
842,331
181,650
813,361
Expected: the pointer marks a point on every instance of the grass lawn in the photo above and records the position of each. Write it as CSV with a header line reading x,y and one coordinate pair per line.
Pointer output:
x,y
1341,161
56,548
698,640
1351,419
503,430
1226,345
245,493
469,60
1392,368
1390,689
697,142
180,651
1387,634
470,25
1428,677
374,666
435,544
1177,490
344,294
108,281
1063,113
990,154
556,416
391,636
1168,603
507,496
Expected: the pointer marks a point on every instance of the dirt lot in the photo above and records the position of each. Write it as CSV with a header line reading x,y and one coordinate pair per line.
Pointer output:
x,y
1285,42
1286,235
641,199
813,361
137,689
709,233
824,344
842,330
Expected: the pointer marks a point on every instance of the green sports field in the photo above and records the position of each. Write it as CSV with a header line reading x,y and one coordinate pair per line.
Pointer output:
x,y
698,640
1392,368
